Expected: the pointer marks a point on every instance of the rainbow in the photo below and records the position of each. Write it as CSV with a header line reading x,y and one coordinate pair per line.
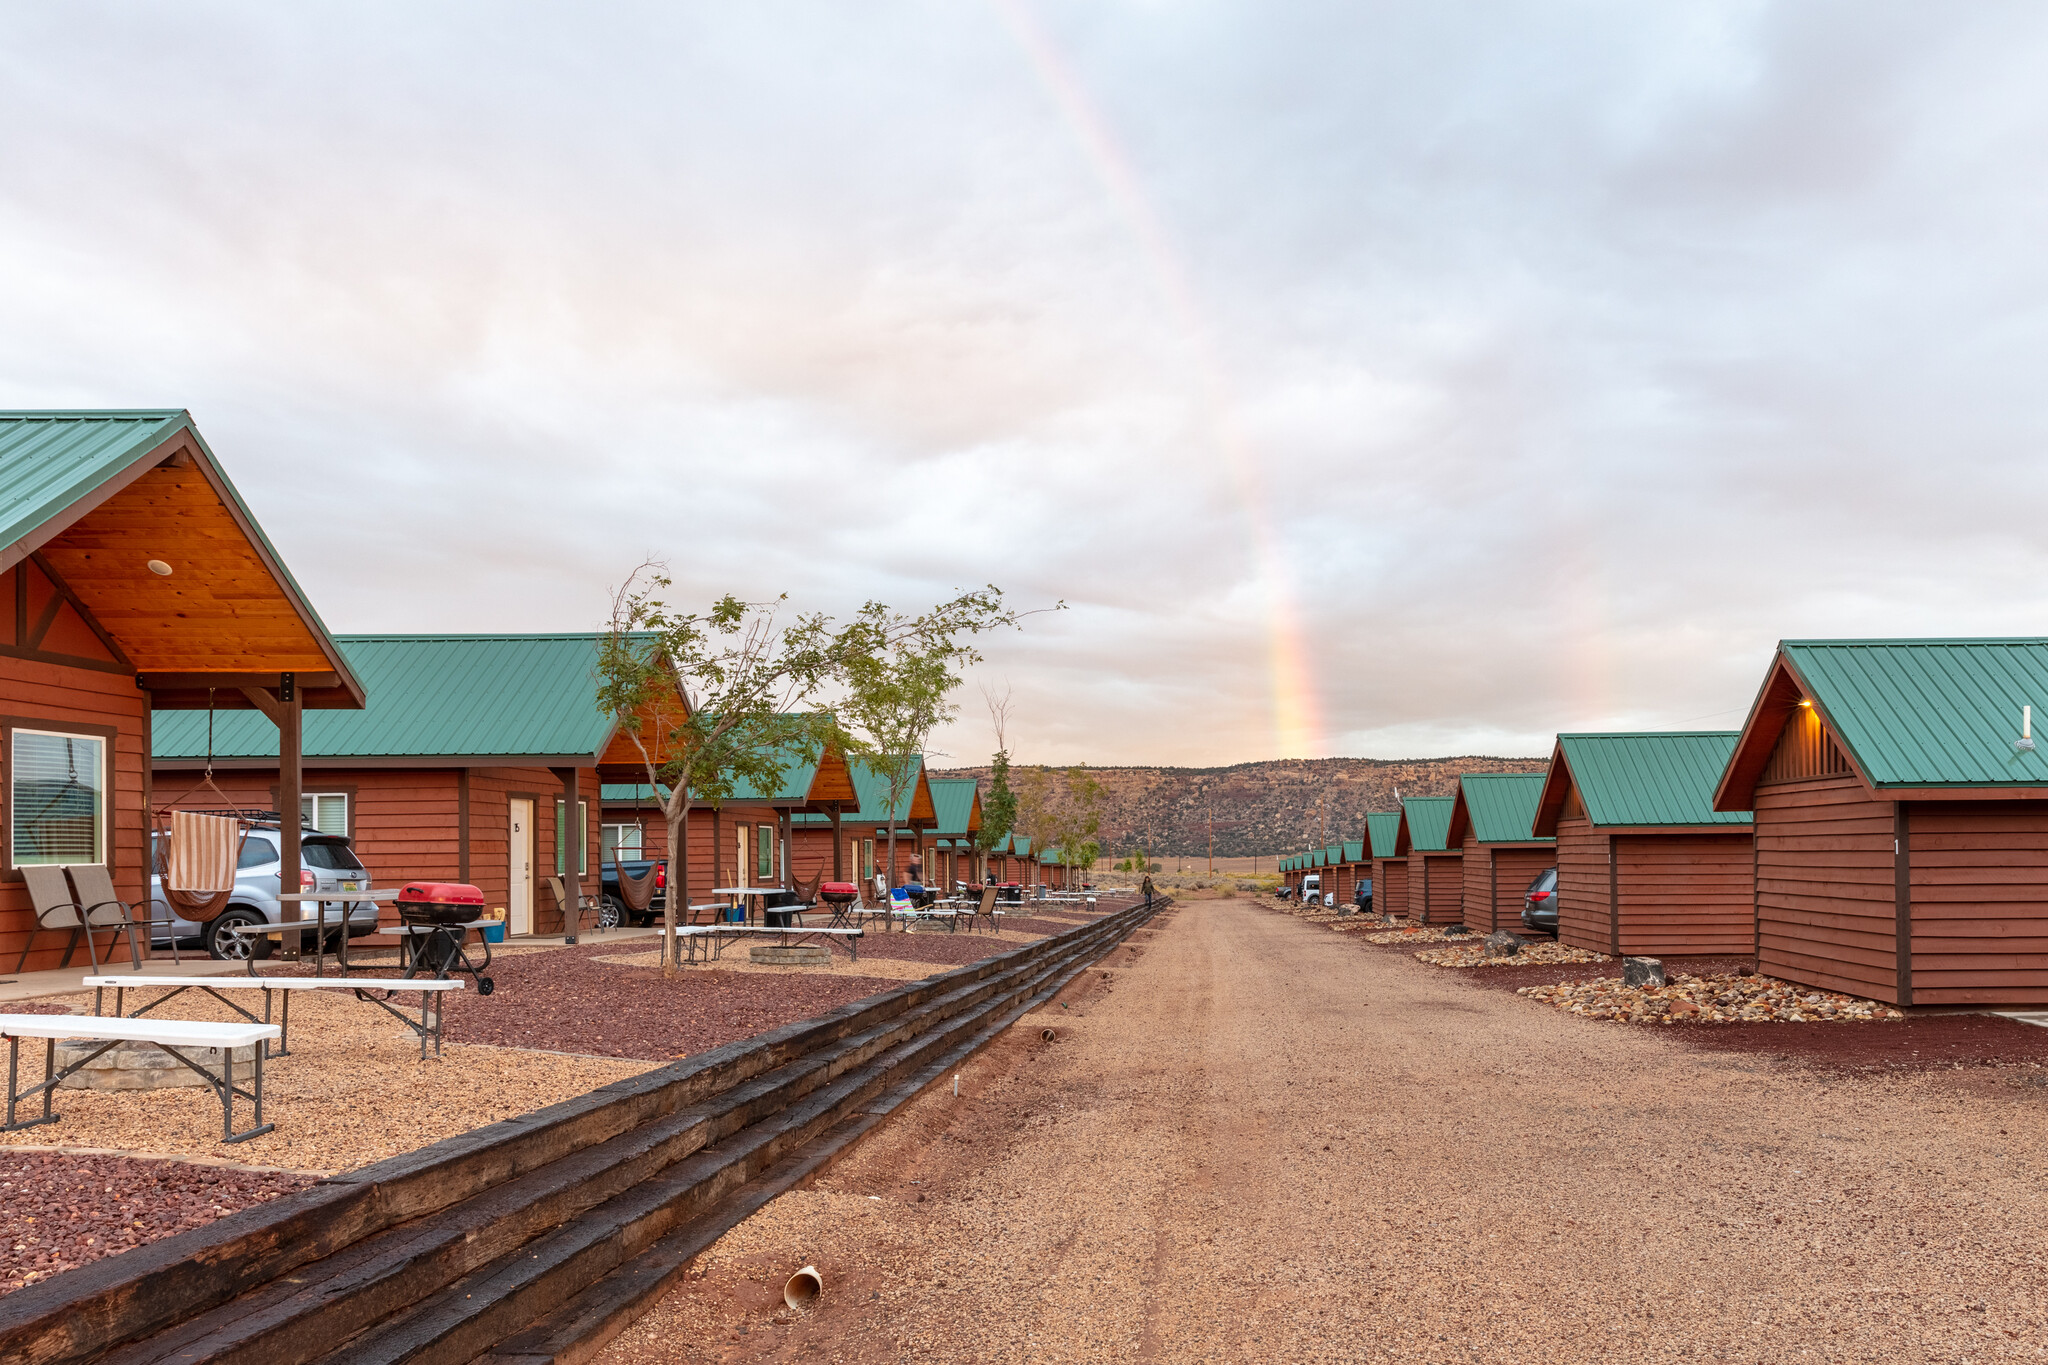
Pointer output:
x,y
1296,707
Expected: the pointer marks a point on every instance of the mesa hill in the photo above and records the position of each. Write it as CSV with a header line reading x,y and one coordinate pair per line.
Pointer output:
x,y
1278,806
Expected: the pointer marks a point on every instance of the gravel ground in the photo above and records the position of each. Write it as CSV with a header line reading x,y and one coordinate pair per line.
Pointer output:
x,y
58,1211
353,1090
1178,1178
572,1000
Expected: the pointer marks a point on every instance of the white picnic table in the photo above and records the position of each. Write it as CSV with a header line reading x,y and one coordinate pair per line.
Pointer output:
x,y
318,924
430,989
172,1035
715,937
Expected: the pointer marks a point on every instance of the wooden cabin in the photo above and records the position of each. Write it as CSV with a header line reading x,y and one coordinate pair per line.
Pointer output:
x,y
1436,869
1645,864
1351,867
1389,869
956,821
859,845
1901,825
1493,820
141,586
459,769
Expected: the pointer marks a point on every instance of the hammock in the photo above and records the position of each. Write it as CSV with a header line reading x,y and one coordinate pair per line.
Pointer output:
x,y
637,892
199,863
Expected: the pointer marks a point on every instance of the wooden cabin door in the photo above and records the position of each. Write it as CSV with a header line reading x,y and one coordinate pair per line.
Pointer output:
x,y
519,868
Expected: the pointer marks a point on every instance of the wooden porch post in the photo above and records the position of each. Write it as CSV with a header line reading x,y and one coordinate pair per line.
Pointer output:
x,y
838,848
572,852
291,782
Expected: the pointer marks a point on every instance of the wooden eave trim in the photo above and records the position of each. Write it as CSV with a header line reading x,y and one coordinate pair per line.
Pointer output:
x,y
1765,725
63,520
1516,843
208,470
62,590
1461,817
1962,793
1557,785
1744,830
579,761
1403,845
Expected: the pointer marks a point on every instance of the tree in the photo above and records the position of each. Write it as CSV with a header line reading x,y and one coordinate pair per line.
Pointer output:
x,y
999,812
726,699
899,675
714,701
1059,811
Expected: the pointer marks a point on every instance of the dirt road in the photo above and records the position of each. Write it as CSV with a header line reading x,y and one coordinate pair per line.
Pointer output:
x,y
1258,1141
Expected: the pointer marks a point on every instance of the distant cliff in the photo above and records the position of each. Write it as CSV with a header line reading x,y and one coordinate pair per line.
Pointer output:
x,y
1275,807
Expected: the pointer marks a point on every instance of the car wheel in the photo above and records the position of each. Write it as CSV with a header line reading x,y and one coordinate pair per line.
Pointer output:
x,y
235,947
611,913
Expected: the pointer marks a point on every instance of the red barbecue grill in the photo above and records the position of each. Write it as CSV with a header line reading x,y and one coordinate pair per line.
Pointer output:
x,y
841,897
444,911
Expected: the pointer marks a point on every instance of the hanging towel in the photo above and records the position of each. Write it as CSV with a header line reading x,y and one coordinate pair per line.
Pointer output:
x,y
199,871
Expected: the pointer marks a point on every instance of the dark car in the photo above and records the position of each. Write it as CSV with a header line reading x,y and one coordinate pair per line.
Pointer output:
x,y
1362,896
1539,903
612,911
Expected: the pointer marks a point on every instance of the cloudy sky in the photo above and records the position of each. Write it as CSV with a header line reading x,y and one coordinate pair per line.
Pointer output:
x,y
1368,379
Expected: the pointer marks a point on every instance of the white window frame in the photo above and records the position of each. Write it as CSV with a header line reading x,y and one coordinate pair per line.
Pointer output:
x,y
101,833
608,839
315,798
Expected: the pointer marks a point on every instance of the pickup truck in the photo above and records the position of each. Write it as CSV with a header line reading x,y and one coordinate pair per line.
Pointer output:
x,y
612,910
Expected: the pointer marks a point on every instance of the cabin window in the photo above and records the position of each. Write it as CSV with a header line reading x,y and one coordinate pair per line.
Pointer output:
x,y
764,852
867,857
562,839
326,812
621,843
56,798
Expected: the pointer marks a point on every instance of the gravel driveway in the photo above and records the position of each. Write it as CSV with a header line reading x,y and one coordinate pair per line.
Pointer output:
x,y
1260,1141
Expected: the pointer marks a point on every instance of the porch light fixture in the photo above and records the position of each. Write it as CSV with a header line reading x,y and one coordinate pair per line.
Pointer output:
x,y
159,568
1806,703
2026,740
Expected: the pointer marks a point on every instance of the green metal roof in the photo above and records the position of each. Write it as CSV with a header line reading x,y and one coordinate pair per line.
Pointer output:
x,y
1502,806
953,801
431,696
1354,851
872,790
1923,713
49,461
1333,855
622,793
1429,822
1381,828
1653,778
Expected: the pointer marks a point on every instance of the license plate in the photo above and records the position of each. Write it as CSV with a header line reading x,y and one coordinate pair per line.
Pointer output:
x,y
351,886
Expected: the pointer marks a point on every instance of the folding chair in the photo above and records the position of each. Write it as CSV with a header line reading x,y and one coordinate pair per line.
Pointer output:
x,y
103,909
589,906
55,909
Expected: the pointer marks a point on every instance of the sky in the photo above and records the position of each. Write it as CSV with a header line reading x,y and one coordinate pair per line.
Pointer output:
x,y
1383,380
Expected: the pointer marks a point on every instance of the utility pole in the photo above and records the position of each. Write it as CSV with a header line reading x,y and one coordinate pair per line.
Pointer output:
x,y
1212,836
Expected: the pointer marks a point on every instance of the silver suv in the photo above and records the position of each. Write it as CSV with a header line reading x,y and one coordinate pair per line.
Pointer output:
x,y
326,863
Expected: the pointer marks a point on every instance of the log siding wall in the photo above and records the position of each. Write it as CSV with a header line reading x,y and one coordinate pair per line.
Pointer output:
x,y
1496,876
1583,918
1826,903
1390,886
1436,888
1686,895
1979,887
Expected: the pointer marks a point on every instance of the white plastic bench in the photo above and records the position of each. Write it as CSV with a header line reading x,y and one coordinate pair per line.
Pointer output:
x,y
172,1035
430,989
716,936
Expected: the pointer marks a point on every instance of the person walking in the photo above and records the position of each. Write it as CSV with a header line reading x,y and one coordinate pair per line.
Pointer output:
x,y
1149,893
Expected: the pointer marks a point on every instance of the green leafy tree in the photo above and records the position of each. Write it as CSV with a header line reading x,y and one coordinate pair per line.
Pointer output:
x,y
899,674
716,701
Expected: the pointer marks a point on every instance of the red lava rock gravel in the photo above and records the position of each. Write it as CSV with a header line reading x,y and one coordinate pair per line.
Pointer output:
x,y
564,1002
59,1211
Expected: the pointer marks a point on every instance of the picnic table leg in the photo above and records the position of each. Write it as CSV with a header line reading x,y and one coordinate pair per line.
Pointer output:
x,y
259,1077
50,1076
13,1069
